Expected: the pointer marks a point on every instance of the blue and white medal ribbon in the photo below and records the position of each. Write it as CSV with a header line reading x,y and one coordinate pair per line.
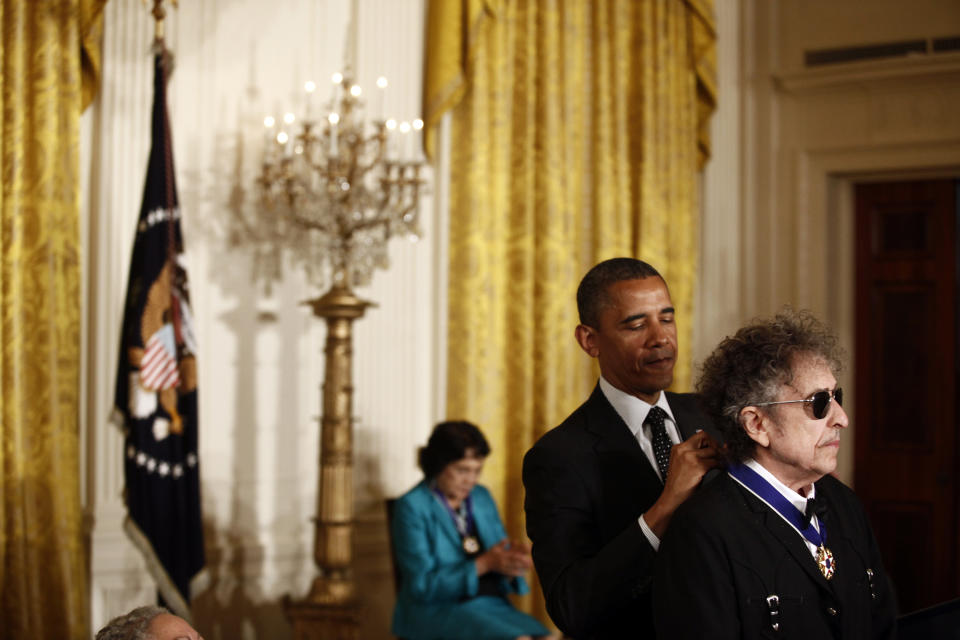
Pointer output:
x,y
766,492
463,520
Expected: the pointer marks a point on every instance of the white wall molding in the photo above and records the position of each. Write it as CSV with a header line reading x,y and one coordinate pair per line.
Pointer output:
x,y
893,70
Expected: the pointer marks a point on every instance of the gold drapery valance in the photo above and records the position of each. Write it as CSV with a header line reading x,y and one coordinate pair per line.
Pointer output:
x,y
50,58
579,129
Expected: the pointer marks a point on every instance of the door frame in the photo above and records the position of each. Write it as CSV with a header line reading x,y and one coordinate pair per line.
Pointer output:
x,y
824,190
828,182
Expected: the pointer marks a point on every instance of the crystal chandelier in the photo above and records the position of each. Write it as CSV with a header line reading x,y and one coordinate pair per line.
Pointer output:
x,y
333,188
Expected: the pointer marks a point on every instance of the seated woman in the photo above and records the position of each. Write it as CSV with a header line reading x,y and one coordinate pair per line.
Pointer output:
x,y
455,561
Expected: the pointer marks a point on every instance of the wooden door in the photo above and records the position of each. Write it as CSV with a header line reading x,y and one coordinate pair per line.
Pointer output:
x,y
906,445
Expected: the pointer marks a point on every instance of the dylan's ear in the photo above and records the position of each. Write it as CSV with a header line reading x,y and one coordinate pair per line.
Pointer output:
x,y
587,339
755,424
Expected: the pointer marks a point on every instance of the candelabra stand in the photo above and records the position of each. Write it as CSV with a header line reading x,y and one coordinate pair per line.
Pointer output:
x,y
330,609
333,193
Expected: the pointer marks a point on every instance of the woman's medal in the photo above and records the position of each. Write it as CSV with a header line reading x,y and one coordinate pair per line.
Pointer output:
x,y
463,520
472,545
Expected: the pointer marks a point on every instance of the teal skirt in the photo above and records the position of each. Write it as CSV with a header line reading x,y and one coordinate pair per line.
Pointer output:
x,y
480,618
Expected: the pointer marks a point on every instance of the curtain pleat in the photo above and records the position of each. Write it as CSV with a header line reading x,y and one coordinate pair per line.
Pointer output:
x,y
577,133
49,61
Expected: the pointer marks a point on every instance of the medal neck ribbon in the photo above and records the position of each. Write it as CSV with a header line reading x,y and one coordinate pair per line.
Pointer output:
x,y
766,492
462,516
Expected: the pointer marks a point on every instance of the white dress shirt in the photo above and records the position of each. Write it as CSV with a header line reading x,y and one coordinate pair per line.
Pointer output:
x,y
634,412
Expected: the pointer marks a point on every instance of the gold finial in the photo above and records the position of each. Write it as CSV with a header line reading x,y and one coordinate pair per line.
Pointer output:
x,y
159,14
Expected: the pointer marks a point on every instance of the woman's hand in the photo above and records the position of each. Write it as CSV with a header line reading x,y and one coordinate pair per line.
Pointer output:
x,y
509,558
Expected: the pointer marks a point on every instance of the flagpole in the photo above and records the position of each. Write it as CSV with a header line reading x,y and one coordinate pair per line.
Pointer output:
x,y
159,14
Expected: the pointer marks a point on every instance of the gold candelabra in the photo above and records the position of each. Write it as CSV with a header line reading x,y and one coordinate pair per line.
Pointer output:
x,y
332,190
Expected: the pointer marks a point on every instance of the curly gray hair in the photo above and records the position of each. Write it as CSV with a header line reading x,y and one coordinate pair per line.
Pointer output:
x,y
751,365
131,626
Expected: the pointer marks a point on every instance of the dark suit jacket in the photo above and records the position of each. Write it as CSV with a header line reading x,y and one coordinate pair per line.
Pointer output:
x,y
587,482
725,552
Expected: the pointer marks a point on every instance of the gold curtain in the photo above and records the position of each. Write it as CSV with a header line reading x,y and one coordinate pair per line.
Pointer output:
x,y
50,57
578,130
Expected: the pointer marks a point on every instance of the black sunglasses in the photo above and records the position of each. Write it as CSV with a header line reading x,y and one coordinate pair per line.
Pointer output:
x,y
820,401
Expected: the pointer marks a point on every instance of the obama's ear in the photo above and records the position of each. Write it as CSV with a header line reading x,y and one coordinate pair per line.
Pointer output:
x,y
587,339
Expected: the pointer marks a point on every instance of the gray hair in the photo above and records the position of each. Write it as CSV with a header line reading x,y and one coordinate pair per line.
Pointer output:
x,y
750,366
131,626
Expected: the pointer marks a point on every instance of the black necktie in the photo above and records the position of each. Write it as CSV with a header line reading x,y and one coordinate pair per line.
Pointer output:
x,y
661,442
814,508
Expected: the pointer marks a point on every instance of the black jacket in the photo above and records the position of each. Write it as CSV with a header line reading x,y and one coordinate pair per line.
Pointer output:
x,y
587,482
725,552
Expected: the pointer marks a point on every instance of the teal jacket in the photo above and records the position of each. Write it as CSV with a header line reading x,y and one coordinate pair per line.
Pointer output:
x,y
438,592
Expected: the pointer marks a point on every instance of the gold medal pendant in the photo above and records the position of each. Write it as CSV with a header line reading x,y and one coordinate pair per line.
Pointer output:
x,y
826,562
471,545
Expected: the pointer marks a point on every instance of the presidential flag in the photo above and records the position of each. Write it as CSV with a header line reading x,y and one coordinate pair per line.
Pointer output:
x,y
156,392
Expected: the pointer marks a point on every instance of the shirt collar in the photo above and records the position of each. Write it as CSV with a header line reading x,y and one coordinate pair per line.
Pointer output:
x,y
795,498
632,409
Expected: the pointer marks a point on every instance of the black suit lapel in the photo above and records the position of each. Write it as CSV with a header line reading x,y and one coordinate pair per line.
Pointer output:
x,y
786,535
622,461
833,516
685,413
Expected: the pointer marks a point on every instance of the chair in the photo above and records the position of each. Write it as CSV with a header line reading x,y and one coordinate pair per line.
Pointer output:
x,y
397,578
940,621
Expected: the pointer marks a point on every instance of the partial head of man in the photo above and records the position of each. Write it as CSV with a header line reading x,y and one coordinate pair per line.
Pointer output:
x,y
627,324
773,393
148,623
